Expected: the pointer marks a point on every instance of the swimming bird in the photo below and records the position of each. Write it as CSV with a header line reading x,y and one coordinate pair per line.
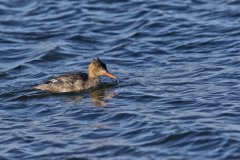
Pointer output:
x,y
78,81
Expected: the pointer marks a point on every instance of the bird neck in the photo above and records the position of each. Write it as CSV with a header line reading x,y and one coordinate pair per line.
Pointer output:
x,y
92,82
92,73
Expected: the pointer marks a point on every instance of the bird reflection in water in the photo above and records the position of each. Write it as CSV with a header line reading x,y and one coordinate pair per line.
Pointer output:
x,y
98,96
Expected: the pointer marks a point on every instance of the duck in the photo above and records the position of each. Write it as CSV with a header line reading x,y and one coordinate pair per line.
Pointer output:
x,y
78,81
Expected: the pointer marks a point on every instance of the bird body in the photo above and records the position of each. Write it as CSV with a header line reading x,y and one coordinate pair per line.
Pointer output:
x,y
77,81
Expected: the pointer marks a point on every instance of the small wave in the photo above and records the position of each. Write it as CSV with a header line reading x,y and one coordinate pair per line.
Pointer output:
x,y
120,117
3,74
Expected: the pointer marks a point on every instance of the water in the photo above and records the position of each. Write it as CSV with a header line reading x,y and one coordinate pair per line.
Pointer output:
x,y
178,92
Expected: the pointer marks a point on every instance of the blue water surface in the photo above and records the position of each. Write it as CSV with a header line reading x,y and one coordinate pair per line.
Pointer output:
x,y
178,92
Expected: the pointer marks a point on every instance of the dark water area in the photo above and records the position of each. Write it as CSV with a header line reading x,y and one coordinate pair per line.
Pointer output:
x,y
178,66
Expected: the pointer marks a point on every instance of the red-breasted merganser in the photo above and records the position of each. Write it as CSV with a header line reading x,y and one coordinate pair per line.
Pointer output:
x,y
73,82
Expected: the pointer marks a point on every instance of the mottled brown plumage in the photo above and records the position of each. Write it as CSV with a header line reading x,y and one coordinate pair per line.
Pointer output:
x,y
73,82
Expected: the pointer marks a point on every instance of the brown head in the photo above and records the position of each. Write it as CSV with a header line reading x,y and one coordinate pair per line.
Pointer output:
x,y
97,68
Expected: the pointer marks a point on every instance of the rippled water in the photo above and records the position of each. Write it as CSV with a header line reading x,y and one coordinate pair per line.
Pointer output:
x,y
178,93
